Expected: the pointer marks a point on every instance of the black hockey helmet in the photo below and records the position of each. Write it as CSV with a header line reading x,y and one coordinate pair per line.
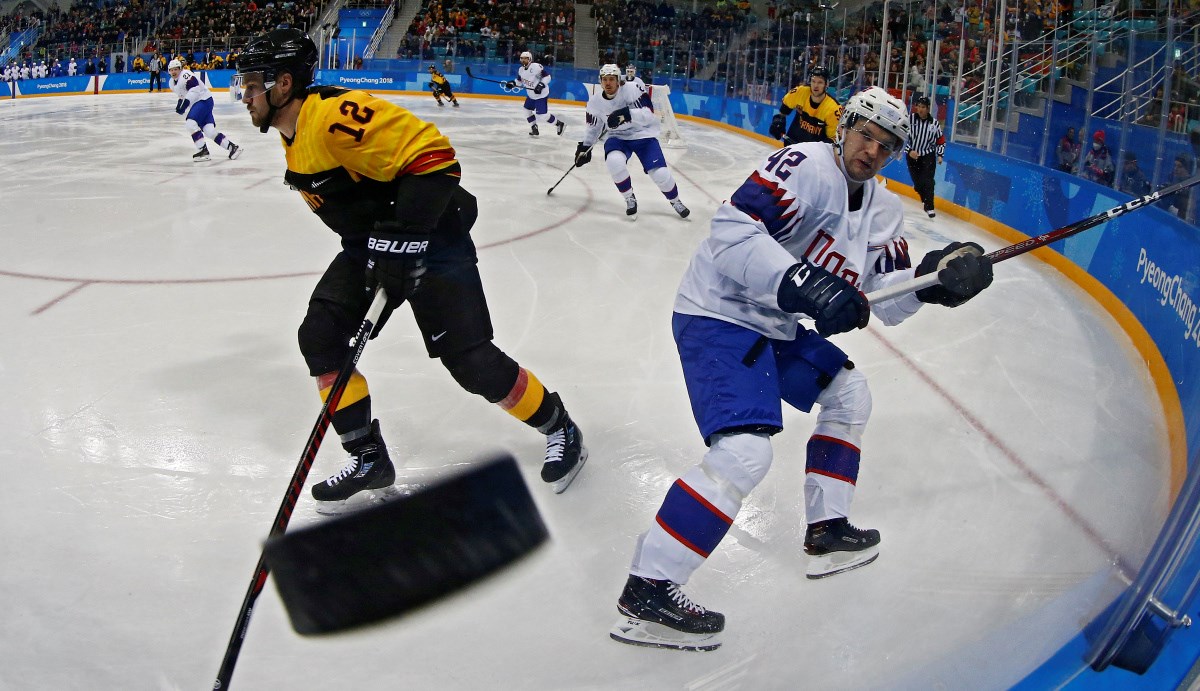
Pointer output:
x,y
281,50
819,71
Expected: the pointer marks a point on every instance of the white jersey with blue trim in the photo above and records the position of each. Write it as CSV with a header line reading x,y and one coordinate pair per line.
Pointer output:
x,y
644,124
188,85
636,81
796,205
529,77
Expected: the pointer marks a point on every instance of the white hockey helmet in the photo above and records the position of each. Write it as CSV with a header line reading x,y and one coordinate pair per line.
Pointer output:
x,y
174,64
527,54
878,106
610,70
630,71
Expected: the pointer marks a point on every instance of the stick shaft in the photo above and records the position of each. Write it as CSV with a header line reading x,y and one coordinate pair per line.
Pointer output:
x,y
564,177
603,131
292,495
1042,240
484,79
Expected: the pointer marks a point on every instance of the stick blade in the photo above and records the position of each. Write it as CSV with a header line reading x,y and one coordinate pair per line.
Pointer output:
x,y
391,559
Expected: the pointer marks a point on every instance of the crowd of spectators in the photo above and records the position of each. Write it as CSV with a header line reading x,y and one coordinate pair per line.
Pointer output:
x,y
503,28
99,32
664,39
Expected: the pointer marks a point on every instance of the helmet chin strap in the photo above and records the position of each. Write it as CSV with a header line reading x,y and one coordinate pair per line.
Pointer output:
x,y
273,109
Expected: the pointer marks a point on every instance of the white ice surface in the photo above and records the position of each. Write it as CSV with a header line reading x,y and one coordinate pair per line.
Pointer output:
x,y
155,405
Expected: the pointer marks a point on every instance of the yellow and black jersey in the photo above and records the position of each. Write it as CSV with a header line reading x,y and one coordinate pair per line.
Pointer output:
x,y
349,153
812,123
438,79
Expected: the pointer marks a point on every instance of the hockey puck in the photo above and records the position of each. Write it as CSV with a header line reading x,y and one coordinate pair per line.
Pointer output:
x,y
392,558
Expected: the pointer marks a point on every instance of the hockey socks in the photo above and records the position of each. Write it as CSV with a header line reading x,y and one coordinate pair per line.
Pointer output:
x,y
529,402
352,415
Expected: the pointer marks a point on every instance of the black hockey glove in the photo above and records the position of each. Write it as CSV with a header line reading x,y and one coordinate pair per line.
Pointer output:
x,y
583,155
963,272
396,261
778,125
181,106
539,88
619,117
510,85
835,304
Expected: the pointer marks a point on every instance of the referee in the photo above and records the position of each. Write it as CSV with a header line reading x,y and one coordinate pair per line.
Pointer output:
x,y
924,143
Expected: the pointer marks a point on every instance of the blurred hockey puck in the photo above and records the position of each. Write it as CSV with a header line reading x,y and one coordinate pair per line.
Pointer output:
x,y
387,560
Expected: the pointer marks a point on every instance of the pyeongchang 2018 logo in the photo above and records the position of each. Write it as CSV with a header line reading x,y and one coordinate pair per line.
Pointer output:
x,y
53,85
1171,293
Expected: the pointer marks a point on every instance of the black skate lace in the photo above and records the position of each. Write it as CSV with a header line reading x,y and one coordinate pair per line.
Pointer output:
x,y
683,600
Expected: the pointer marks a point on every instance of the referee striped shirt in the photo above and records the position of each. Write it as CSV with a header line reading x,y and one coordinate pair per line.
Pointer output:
x,y
926,136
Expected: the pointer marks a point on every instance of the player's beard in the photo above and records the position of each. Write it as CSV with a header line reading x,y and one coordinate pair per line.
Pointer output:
x,y
257,118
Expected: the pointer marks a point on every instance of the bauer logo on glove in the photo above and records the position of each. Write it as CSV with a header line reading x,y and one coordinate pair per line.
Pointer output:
x,y
397,246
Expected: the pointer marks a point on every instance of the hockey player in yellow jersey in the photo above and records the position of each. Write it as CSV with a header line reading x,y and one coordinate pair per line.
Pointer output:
x,y
440,87
817,113
388,183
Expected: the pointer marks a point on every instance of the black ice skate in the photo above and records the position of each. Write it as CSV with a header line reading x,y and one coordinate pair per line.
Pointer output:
x,y
455,102
658,614
565,455
234,151
441,105
631,207
836,546
561,126
680,209
533,130
367,477
201,155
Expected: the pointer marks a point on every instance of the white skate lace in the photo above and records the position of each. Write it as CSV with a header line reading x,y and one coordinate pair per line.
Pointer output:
x,y
347,470
683,600
556,444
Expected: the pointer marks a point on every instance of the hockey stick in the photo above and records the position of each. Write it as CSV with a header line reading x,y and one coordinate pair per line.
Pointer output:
x,y
603,131
297,484
564,175
485,79
931,279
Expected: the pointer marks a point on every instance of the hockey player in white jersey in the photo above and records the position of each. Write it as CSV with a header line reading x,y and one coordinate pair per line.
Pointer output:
x,y
536,81
799,239
195,104
632,78
632,129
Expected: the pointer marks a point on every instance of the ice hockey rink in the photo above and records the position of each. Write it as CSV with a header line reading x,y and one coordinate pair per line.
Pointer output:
x,y
155,405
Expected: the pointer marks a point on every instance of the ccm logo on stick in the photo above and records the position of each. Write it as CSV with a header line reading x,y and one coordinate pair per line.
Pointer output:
x,y
397,246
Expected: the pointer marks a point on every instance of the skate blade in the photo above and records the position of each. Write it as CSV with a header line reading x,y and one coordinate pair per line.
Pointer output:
x,y
201,159
236,154
560,485
833,563
651,635
365,499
